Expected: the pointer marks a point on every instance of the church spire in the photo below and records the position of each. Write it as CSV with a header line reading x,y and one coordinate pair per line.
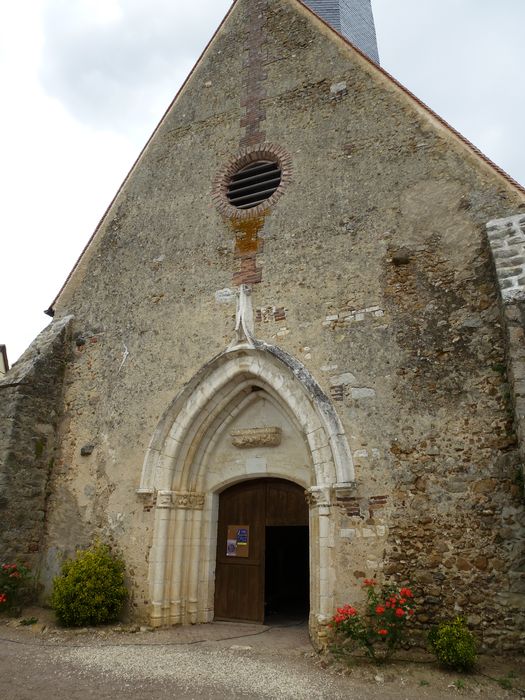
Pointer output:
x,y
351,18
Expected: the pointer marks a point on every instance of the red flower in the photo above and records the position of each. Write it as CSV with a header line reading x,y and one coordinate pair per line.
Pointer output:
x,y
400,612
380,610
411,612
383,633
344,614
369,582
3,597
406,593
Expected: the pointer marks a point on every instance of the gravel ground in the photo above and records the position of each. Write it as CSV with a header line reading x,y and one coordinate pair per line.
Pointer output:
x,y
216,661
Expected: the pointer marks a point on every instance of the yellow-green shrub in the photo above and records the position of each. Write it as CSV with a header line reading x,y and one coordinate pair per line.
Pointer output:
x,y
454,645
90,589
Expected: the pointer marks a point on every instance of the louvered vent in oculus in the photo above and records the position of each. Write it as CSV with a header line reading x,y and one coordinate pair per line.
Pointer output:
x,y
253,184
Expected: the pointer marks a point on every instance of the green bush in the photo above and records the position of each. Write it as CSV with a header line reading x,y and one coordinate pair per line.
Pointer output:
x,y
90,590
454,645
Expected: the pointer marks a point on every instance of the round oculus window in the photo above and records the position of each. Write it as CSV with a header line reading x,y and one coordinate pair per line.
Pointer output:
x,y
253,184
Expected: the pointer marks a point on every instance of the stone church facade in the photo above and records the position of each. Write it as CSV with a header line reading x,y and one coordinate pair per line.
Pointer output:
x,y
307,281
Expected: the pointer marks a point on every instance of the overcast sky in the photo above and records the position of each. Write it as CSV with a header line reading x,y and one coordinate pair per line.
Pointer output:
x,y
84,83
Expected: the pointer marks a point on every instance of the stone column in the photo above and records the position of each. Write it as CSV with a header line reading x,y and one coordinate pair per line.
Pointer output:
x,y
319,500
158,558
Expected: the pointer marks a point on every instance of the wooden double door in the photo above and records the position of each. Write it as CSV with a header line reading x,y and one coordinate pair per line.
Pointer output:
x,y
262,552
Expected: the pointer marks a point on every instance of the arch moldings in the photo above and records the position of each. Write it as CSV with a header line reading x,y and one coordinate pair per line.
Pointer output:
x,y
176,475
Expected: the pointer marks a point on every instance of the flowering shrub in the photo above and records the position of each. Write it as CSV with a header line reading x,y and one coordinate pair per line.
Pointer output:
x,y
381,629
12,579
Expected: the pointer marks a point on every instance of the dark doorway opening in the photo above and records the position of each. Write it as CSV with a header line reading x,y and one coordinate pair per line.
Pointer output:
x,y
287,576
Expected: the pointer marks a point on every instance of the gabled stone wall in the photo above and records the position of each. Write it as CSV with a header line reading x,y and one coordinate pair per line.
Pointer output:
x,y
372,270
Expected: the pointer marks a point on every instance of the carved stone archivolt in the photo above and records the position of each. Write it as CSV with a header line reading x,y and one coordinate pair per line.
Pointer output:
x,y
256,437
176,499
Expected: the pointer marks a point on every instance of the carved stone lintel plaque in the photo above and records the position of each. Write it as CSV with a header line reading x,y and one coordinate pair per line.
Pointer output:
x,y
189,501
256,437
318,496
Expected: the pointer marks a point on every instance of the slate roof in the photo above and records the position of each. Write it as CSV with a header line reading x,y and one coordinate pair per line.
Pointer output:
x,y
353,19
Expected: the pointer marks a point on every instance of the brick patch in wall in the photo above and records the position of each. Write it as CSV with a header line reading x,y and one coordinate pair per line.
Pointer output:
x,y
507,243
337,392
350,505
248,273
344,384
376,503
265,314
360,507
254,75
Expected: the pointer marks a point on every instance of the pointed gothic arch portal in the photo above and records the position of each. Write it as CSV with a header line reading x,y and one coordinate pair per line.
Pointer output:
x,y
253,412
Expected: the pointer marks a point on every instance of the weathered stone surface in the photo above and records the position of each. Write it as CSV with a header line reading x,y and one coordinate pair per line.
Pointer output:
x,y
30,405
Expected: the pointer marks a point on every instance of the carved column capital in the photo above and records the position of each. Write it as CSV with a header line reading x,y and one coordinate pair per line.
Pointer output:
x,y
164,499
318,496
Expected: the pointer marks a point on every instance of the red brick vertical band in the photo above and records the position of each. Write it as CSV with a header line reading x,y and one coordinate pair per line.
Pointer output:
x,y
247,242
254,74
